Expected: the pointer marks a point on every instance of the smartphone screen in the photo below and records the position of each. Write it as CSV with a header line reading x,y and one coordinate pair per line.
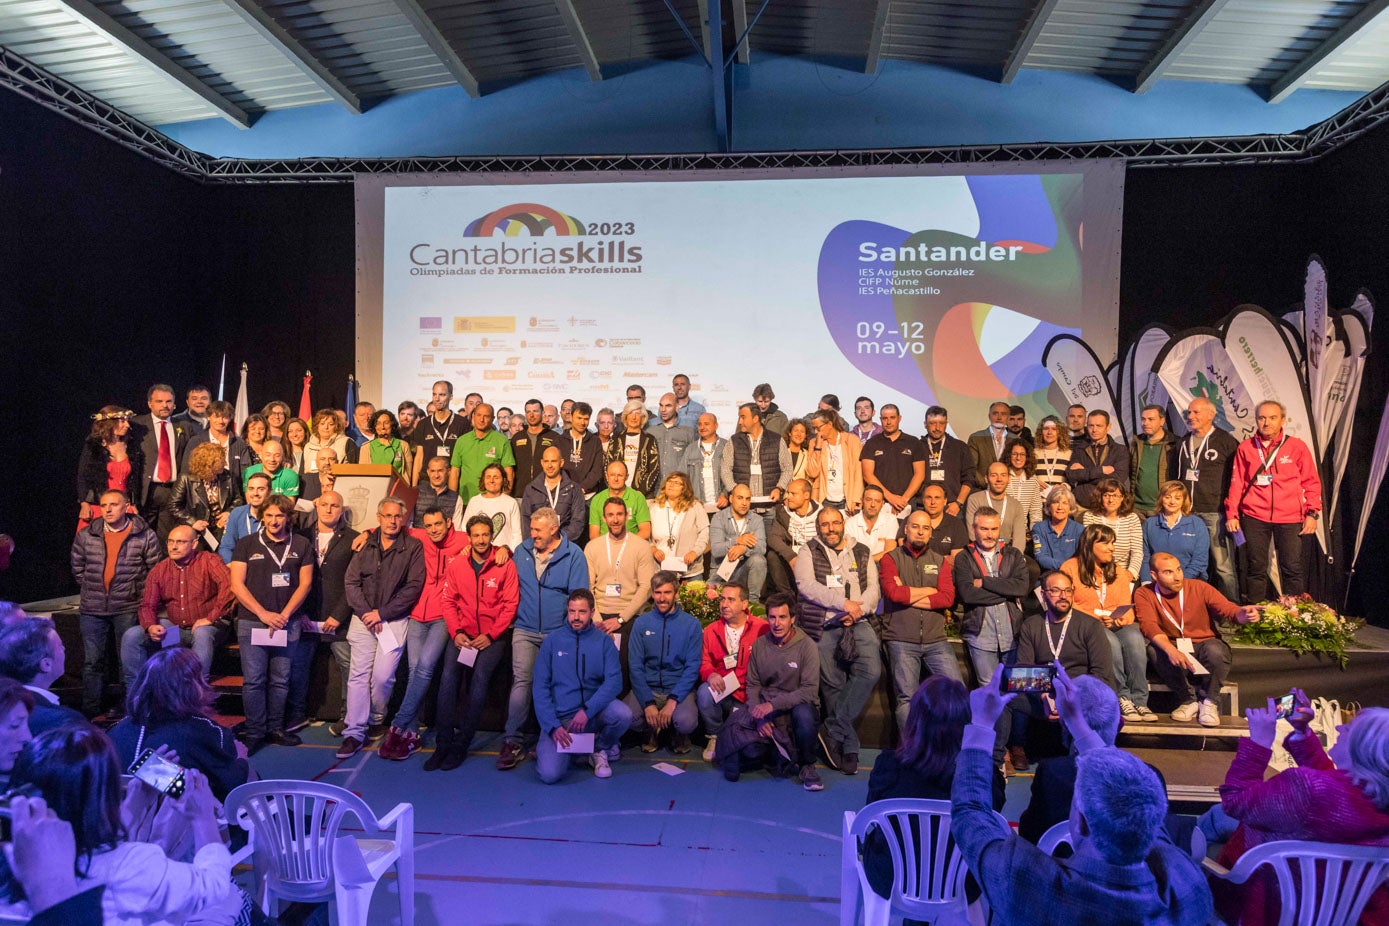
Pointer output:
x,y
1038,679
1285,706
159,773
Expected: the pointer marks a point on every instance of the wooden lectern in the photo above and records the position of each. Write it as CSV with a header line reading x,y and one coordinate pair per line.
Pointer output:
x,y
363,485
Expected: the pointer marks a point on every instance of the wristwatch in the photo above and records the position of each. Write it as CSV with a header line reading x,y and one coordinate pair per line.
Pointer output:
x,y
1314,515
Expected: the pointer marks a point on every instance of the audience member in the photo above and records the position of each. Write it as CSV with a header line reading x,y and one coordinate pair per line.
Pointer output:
x,y
479,596
16,704
1098,458
663,659
110,560
44,861
1057,538
384,581
170,705
917,591
494,501
1274,499
986,445
576,691
894,462
1113,509
1342,798
1174,529
782,711
726,650
271,575
1178,616
679,528
738,544
837,583
1153,457
1125,869
193,588
1204,462
427,634
31,653
554,489
548,568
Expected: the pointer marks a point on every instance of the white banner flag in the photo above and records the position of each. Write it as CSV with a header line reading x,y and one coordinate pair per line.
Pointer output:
x,y
1195,365
1316,326
1378,463
1078,374
1357,349
1144,386
243,405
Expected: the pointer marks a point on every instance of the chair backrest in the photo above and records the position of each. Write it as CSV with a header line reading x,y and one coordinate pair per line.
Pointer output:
x,y
295,824
1319,883
1055,837
927,869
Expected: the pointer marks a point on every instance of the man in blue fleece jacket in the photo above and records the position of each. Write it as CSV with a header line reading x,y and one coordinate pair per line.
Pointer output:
x,y
578,675
663,661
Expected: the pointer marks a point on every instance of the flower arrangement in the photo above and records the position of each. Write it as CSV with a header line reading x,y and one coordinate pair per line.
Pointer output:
x,y
702,600
1302,625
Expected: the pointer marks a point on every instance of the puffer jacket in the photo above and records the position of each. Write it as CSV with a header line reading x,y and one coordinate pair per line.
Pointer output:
x,y
137,556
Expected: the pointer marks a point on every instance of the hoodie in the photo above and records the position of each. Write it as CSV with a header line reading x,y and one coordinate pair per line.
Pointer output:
x,y
575,670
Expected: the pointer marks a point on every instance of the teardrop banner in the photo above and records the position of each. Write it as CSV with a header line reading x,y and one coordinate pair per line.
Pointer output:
x,y
1316,325
1080,376
1195,364
1262,357
1143,386
1357,337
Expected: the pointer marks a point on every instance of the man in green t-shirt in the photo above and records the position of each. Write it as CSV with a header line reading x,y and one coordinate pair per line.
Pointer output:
x,y
283,479
1153,454
638,514
474,451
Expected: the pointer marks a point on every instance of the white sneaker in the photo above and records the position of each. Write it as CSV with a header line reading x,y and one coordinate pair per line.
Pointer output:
x,y
1186,713
1127,710
1209,714
1145,715
709,748
601,768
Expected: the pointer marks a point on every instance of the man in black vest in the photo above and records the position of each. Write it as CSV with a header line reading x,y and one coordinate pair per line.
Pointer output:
x,y
838,586
760,460
918,589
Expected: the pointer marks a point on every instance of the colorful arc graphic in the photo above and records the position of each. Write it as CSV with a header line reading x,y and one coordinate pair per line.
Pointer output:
x,y
531,217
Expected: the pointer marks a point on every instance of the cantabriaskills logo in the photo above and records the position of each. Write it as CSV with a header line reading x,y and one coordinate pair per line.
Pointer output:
x,y
497,246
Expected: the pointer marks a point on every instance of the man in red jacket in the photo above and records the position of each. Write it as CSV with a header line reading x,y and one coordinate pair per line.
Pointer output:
x,y
426,635
727,645
1275,494
480,598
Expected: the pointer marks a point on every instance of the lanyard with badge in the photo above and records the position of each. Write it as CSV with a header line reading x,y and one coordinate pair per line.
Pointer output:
x,y
614,589
673,522
1104,593
731,638
1056,647
1184,643
1263,476
755,465
1193,470
554,496
442,450
934,455
280,577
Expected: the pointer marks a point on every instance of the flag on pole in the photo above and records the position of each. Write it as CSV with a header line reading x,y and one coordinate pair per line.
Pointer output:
x,y
305,403
243,404
222,379
352,430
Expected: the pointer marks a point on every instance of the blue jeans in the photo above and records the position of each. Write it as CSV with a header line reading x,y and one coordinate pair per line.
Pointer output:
x,y
713,713
684,719
462,693
525,646
804,723
97,630
424,644
905,661
136,646
265,679
1222,556
751,571
1130,663
985,660
301,671
552,765
844,693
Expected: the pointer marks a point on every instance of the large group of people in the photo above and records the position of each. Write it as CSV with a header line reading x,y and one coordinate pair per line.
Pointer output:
x,y
837,553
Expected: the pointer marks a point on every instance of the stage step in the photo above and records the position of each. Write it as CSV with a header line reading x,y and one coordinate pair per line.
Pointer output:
x,y
1230,728
1229,690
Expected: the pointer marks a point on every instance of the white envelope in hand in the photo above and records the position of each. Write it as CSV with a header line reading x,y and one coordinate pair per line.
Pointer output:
x,y
467,656
727,568
268,637
730,685
579,744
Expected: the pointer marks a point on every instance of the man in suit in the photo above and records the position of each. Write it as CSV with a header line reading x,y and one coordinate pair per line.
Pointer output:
x,y
162,440
332,539
987,445
31,653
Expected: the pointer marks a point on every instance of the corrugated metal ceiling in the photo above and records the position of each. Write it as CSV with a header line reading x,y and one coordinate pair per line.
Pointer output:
x,y
376,48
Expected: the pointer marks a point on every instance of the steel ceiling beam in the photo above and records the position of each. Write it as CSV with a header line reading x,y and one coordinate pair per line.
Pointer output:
x,y
1201,15
740,27
1031,32
442,48
268,28
1344,37
875,39
580,37
101,22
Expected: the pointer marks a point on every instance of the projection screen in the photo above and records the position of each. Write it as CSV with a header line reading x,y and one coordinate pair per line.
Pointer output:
x,y
915,286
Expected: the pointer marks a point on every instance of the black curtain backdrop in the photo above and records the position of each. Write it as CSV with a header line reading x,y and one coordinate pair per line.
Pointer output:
x,y
115,273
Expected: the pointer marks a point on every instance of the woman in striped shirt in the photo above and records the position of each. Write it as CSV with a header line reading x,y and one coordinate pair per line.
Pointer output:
x,y
1051,453
1116,513
1021,482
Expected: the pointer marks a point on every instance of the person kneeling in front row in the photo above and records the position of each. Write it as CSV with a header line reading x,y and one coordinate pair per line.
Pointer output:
x,y
779,724
578,675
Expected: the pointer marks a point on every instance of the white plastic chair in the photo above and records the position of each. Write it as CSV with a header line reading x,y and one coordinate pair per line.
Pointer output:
x,y
1333,896
299,854
928,871
1055,837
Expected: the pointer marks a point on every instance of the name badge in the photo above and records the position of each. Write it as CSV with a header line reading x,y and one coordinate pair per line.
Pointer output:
x,y
755,469
834,474
834,580
730,662
612,589
441,451
708,466
937,475
1263,479
1193,474
1101,612
279,580
1184,645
